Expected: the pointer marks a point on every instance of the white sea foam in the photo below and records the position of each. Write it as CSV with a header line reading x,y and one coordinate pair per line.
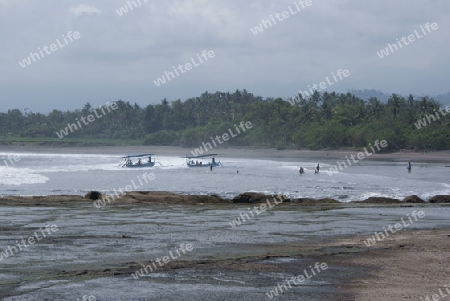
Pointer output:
x,y
78,173
10,176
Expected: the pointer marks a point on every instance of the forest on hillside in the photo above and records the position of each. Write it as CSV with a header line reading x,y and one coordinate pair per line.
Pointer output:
x,y
321,121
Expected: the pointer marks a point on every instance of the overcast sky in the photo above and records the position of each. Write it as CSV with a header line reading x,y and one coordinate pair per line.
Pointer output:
x,y
119,57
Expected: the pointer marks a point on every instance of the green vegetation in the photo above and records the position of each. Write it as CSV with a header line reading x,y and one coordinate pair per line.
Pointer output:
x,y
74,142
322,121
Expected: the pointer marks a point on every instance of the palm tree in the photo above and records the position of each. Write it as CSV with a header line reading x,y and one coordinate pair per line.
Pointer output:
x,y
374,108
395,101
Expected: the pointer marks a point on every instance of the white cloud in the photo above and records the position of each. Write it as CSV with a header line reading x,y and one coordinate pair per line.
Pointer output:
x,y
84,9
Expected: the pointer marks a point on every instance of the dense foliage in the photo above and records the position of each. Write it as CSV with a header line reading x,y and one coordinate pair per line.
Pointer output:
x,y
324,120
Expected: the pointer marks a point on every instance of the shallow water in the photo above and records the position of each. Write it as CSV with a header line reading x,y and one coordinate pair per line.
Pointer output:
x,y
98,239
62,173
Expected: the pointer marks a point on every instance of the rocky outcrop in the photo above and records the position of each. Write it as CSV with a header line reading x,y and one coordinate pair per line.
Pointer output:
x,y
254,197
164,197
440,199
93,195
413,199
51,200
309,201
168,198
380,200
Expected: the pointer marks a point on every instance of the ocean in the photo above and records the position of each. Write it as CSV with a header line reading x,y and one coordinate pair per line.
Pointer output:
x,y
61,172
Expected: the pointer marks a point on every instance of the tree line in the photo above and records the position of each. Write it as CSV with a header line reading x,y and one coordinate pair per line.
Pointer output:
x,y
321,121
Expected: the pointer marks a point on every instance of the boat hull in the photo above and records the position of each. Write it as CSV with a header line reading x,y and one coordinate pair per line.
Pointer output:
x,y
203,165
150,164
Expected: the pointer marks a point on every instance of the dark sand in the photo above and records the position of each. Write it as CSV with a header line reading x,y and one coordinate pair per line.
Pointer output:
x,y
438,156
411,265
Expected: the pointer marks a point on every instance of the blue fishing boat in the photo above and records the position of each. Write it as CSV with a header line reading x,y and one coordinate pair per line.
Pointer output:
x,y
202,161
142,160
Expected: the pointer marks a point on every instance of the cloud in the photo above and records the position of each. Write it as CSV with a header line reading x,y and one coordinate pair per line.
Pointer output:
x,y
84,9
133,50
13,2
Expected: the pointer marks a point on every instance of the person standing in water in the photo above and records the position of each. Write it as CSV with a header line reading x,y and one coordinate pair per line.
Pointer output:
x,y
409,167
317,168
301,171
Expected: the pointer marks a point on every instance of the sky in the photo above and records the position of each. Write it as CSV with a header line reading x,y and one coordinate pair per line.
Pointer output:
x,y
112,54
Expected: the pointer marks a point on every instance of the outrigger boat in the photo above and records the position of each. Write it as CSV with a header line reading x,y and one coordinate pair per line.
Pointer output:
x,y
191,163
143,160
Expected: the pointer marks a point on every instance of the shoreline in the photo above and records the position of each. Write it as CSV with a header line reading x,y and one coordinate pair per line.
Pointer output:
x,y
240,152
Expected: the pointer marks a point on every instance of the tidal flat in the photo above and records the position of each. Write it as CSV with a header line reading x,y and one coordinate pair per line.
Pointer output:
x,y
96,251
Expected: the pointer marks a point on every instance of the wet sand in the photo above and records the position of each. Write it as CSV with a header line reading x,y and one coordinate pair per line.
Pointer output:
x,y
410,266
243,152
96,251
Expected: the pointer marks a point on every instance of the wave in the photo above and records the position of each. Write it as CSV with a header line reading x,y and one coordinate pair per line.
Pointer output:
x,y
10,176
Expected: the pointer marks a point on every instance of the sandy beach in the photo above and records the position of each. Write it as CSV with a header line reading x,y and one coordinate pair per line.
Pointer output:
x,y
410,266
438,156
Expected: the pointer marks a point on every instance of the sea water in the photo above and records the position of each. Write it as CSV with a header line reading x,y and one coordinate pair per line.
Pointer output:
x,y
65,173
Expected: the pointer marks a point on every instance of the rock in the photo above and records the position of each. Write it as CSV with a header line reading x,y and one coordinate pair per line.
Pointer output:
x,y
253,197
93,195
413,199
381,200
167,197
440,199
304,201
309,201
328,201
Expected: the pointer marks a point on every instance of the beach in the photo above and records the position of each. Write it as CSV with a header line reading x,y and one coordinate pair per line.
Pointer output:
x,y
310,237
411,266
97,251
243,152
